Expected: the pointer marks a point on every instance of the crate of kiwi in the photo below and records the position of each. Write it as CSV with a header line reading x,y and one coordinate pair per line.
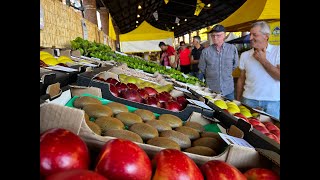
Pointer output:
x,y
106,120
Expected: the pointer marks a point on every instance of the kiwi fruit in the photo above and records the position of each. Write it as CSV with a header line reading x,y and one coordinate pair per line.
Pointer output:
x,y
211,134
97,110
145,115
195,126
173,120
94,127
159,125
178,137
124,134
190,132
117,107
145,131
128,118
109,123
201,150
164,142
210,142
85,100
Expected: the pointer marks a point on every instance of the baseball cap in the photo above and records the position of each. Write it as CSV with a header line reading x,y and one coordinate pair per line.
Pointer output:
x,y
218,28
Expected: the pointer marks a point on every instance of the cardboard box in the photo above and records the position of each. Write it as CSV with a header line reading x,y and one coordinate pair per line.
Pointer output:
x,y
57,116
65,52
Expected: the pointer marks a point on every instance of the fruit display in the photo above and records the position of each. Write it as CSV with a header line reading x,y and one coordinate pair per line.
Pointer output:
x,y
242,112
140,91
104,52
142,126
120,159
46,59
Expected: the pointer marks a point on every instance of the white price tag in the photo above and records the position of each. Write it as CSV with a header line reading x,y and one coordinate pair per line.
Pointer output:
x,y
61,68
199,103
182,89
63,99
234,140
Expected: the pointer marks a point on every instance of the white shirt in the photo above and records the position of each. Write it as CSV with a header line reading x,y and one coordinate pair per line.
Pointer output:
x,y
259,85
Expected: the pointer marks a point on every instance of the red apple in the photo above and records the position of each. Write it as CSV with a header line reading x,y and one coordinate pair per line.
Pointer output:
x,y
172,164
62,150
182,101
261,174
132,86
262,129
143,93
131,95
219,170
239,115
112,81
272,136
123,160
153,101
114,91
172,106
163,105
121,86
150,91
255,122
76,174
163,97
276,132
167,94
270,126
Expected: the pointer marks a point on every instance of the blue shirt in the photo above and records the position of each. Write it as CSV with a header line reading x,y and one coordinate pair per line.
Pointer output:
x,y
218,67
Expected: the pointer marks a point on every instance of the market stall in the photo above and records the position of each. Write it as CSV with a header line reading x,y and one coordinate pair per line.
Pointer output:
x,y
145,38
110,115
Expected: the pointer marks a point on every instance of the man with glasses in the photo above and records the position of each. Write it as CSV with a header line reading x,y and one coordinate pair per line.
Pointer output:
x,y
259,83
218,61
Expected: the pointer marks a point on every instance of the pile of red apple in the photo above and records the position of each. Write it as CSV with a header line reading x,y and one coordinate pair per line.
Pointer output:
x,y
147,95
64,156
267,128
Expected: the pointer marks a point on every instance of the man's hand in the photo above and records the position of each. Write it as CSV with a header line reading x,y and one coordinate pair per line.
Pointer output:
x,y
260,55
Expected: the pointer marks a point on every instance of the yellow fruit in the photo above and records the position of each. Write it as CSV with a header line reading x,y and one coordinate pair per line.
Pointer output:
x,y
233,110
247,114
44,56
255,115
232,104
51,61
64,59
221,104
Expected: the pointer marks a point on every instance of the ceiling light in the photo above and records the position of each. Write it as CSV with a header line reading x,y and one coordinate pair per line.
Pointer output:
x,y
185,19
138,16
208,5
137,22
172,27
136,25
178,24
139,7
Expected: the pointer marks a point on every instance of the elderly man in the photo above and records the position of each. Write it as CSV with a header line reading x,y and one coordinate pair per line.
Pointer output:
x,y
218,61
259,81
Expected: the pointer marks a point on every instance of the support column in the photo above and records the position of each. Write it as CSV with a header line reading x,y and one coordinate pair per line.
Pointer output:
x,y
90,9
104,17
183,39
197,33
190,38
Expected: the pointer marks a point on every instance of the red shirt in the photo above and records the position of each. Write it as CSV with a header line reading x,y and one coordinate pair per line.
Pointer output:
x,y
170,51
184,57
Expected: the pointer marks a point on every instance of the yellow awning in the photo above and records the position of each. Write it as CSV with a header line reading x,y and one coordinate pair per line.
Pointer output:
x,y
112,33
146,32
251,11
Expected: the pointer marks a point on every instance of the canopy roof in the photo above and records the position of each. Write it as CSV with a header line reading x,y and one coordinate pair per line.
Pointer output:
x,y
125,12
146,32
251,11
